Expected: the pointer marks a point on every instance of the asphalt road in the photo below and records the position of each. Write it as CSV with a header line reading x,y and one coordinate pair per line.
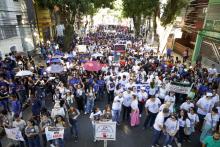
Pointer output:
x,y
126,136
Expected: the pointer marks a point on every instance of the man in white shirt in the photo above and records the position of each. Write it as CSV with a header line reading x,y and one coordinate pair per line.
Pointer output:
x,y
126,105
116,108
187,105
215,97
159,126
152,108
205,105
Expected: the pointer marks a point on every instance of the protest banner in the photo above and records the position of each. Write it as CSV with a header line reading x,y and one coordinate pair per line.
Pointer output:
x,y
176,87
105,131
54,132
14,134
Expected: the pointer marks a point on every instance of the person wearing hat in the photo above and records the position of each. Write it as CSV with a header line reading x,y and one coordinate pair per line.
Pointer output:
x,y
205,105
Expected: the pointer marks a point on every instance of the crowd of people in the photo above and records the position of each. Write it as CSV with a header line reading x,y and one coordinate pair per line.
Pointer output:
x,y
132,88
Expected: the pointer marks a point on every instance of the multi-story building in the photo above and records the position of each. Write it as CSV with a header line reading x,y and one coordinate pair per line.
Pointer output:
x,y
193,22
15,28
207,47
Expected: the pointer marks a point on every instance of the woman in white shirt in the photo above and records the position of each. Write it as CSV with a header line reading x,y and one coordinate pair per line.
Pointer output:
x,y
134,111
170,98
184,124
194,119
95,116
209,124
162,92
171,128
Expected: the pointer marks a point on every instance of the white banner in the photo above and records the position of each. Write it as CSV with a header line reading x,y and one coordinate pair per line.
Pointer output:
x,y
14,134
105,131
54,132
178,88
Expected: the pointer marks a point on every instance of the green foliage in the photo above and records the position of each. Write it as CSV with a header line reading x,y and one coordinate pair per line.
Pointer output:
x,y
172,10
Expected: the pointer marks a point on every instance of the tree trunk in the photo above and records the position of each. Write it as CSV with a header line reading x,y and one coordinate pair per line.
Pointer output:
x,y
137,25
68,37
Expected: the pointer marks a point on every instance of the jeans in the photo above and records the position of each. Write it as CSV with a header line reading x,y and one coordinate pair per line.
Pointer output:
x,y
156,137
74,127
168,140
150,117
89,105
141,106
116,115
34,142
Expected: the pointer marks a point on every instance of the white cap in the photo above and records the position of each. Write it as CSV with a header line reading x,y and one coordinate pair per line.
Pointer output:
x,y
208,94
142,88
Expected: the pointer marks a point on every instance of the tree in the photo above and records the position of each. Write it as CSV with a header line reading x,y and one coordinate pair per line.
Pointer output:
x,y
71,10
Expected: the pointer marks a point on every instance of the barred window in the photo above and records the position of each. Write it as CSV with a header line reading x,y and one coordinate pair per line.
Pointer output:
x,y
7,32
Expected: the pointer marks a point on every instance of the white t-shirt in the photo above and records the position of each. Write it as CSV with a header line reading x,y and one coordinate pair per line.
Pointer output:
x,y
153,106
117,103
206,104
183,123
211,119
215,99
142,96
127,99
94,115
171,99
159,121
171,126
186,106
152,91
56,112
162,93
134,104
193,118
170,108
21,124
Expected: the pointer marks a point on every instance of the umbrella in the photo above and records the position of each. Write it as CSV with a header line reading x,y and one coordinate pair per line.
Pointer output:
x,y
23,73
92,66
95,55
54,60
55,68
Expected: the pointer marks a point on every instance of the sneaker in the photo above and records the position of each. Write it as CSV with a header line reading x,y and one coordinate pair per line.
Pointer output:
x,y
164,146
85,113
94,140
52,145
157,145
139,115
179,144
169,145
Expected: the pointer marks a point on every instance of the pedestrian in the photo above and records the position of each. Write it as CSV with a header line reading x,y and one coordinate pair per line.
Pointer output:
x,y
152,106
107,114
194,119
116,108
90,100
79,98
16,106
60,123
95,116
32,133
142,98
210,124
126,104
21,124
171,126
159,126
134,112
184,127
44,123
57,110
212,141
73,120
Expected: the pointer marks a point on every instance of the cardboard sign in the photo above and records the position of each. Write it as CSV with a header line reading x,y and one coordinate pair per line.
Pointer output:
x,y
14,134
54,132
105,131
178,88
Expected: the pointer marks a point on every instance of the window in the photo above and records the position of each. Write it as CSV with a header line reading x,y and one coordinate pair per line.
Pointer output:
x,y
7,32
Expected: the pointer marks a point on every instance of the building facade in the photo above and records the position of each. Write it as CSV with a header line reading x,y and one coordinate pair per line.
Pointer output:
x,y
193,22
207,47
15,28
